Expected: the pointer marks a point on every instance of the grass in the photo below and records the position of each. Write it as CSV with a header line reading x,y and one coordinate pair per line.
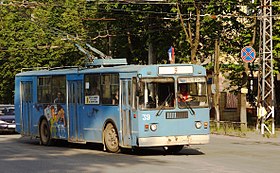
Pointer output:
x,y
229,128
236,129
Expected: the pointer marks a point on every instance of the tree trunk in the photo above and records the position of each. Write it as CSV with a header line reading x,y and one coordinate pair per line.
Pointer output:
x,y
188,32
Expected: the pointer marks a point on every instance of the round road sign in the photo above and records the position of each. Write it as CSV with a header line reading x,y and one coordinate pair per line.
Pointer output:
x,y
248,54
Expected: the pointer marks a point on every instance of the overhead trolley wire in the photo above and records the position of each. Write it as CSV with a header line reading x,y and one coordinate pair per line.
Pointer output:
x,y
34,4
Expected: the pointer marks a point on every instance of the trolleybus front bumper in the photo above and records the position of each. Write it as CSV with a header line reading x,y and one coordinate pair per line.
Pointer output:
x,y
173,140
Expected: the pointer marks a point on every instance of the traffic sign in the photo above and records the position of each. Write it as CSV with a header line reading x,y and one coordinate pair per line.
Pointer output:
x,y
248,54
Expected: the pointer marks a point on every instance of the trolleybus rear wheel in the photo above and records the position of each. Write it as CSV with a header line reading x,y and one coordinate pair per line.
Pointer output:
x,y
174,149
45,133
111,139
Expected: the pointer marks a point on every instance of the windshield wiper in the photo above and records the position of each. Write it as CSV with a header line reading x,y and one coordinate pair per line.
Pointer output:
x,y
161,106
189,107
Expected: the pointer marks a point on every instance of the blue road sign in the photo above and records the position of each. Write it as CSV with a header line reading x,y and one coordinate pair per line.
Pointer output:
x,y
248,54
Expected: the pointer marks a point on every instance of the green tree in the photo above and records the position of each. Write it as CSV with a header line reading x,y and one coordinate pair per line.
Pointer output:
x,y
276,30
37,34
135,26
28,38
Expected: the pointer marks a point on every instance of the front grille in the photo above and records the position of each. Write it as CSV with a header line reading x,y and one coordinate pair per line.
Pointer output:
x,y
176,115
10,121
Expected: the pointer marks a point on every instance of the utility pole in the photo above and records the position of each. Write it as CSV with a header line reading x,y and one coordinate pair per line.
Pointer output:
x,y
266,81
217,83
151,59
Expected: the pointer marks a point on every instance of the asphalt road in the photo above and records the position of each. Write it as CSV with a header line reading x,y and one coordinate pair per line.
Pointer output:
x,y
223,155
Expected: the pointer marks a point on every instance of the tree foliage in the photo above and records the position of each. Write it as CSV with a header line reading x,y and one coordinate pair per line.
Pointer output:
x,y
42,33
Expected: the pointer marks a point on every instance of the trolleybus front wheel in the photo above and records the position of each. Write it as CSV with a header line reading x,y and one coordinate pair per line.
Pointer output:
x,y
111,139
45,133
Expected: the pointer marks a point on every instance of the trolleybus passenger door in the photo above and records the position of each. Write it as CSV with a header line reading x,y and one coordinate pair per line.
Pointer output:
x,y
26,105
74,106
126,111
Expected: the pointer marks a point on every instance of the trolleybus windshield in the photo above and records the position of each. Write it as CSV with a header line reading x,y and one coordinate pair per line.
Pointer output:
x,y
160,93
192,92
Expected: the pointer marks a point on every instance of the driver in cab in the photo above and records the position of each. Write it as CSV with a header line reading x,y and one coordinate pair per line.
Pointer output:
x,y
183,94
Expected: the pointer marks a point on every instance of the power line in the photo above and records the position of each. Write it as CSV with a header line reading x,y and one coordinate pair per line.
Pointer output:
x,y
214,16
33,4
162,2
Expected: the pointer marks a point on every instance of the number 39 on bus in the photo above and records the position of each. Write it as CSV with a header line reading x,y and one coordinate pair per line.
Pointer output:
x,y
118,105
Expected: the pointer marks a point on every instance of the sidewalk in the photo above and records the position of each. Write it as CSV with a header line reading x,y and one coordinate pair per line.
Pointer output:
x,y
233,130
257,136
254,136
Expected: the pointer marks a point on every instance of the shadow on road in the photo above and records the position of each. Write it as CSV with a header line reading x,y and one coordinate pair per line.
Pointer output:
x,y
161,152
99,147
28,155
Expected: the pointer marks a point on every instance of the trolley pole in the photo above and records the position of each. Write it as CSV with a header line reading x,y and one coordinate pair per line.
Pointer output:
x,y
265,79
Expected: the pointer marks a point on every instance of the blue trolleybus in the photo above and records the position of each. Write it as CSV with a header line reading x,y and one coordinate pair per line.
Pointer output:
x,y
118,105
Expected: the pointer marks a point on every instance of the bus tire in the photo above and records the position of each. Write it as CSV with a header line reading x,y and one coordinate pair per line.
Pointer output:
x,y
174,149
111,139
45,133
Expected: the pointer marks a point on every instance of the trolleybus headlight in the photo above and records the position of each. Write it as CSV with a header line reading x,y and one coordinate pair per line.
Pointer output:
x,y
153,127
198,124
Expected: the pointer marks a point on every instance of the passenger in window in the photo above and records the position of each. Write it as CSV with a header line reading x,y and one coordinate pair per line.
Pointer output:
x,y
115,100
94,90
59,98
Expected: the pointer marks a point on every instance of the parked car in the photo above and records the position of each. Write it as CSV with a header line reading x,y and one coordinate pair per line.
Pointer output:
x,y
7,120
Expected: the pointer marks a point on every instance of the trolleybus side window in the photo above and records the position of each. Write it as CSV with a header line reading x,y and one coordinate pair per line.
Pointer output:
x,y
44,89
51,89
92,89
129,93
58,89
115,89
27,95
110,88
92,84
134,93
